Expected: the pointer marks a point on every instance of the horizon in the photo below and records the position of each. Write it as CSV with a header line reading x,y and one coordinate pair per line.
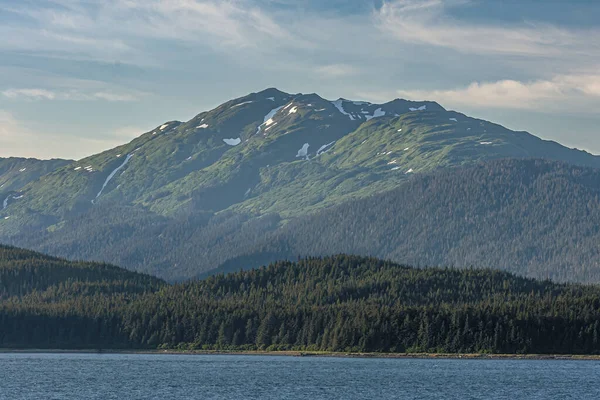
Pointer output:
x,y
82,76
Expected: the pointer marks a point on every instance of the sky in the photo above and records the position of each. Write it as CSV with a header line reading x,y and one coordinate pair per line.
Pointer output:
x,y
81,76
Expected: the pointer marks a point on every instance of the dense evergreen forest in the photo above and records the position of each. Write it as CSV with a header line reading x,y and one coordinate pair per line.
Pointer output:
x,y
535,218
338,303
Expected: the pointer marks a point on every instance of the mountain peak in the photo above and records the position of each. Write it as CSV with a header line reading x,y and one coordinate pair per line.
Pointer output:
x,y
269,92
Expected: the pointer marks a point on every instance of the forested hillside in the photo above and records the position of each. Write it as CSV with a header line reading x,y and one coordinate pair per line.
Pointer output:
x,y
341,303
531,217
25,273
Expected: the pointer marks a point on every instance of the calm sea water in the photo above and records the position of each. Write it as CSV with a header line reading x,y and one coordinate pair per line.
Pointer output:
x,y
114,376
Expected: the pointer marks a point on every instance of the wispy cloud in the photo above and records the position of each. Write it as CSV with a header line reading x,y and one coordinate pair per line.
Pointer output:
x,y
565,92
230,23
71,95
428,22
111,30
35,94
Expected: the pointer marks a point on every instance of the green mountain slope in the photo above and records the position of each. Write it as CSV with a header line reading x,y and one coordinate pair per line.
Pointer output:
x,y
214,186
340,303
258,153
15,173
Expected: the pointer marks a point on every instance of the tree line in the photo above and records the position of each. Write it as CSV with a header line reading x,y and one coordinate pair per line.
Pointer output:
x,y
338,303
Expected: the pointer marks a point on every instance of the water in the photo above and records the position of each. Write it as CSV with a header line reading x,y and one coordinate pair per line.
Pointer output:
x,y
120,376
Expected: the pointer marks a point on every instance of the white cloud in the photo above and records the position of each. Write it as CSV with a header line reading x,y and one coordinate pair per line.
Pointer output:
x,y
35,94
564,92
70,94
108,96
427,22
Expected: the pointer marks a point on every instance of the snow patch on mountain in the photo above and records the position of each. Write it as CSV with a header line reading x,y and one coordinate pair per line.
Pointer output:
x,y
203,126
241,104
340,106
453,119
303,152
5,203
422,108
268,120
23,170
162,127
293,110
271,98
323,149
233,142
377,113
485,143
410,171
112,174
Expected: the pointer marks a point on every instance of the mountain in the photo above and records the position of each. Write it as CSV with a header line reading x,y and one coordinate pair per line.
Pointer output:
x,y
218,185
340,303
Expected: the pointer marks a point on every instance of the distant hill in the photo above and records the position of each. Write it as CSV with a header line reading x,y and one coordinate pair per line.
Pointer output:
x,y
340,303
25,273
187,197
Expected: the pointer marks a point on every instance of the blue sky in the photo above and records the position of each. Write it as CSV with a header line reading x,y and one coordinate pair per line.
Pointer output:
x,y
81,76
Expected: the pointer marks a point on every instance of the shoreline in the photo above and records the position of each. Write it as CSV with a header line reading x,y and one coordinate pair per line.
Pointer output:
x,y
474,356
